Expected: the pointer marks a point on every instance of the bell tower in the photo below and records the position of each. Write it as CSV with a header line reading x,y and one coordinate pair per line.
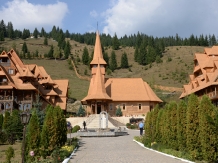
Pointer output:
x,y
98,58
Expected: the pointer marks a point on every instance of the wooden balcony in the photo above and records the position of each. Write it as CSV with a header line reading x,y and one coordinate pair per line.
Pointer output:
x,y
26,100
213,95
6,98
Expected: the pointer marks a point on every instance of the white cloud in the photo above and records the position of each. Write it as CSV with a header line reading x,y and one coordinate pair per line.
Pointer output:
x,y
93,13
161,17
30,16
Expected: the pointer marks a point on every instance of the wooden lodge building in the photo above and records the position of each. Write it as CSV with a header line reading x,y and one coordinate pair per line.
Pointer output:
x,y
204,80
22,86
132,95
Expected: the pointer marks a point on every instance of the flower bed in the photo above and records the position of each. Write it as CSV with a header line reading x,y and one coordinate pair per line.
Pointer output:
x,y
59,154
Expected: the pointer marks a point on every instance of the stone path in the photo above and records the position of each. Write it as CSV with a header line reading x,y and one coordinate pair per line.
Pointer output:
x,y
120,149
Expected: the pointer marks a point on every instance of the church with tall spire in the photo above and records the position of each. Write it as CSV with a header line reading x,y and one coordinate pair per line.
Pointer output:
x,y
133,95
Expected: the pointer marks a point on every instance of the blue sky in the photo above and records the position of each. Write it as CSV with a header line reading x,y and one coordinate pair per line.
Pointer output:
x,y
152,17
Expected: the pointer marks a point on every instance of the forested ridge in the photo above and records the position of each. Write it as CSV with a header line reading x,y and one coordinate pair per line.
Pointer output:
x,y
8,31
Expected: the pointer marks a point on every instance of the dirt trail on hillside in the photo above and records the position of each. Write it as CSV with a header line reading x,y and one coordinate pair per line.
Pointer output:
x,y
170,89
164,88
77,74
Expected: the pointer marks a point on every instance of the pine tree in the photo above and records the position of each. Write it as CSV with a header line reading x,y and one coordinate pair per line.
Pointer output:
x,y
113,61
46,134
35,33
159,126
2,36
136,54
154,122
3,29
85,56
115,43
119,112
45,41
24,48
141,59
56,53
166,126
67,34
106,58
81,111
181,125
28,55
172,111
6,120
60,125
10,30
67,50
33,137
43,33
16,124
36,53
25,34
51,52
61,39
148,129
207,133
91,57
192,130
138,40
124,61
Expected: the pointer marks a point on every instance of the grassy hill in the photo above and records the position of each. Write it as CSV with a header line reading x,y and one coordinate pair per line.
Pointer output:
x,y
172,72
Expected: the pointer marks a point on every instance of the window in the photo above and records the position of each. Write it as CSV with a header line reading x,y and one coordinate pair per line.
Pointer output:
x,y
111,106
124,106
140,106
10,71
26,107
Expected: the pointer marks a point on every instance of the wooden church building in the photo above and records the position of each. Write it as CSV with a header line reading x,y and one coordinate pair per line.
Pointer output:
x,y
132,95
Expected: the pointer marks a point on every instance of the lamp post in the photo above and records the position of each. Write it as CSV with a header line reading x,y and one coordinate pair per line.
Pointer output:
x,y
25,117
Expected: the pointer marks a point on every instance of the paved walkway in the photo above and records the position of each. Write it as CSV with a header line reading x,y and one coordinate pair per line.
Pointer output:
x,y
120,149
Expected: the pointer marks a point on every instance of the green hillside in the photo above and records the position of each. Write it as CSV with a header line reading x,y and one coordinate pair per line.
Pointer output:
x,y
172,72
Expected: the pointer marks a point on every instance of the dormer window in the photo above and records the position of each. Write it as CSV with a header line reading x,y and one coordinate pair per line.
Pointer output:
x,y
10,71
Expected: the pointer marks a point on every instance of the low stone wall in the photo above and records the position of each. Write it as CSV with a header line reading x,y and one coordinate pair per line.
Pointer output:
x,y
125,120
76,121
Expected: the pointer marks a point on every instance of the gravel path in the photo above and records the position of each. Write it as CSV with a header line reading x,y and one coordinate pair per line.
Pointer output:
x,y
120,149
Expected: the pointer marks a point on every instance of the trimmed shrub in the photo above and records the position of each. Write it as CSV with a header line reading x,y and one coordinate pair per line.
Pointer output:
x,y
207,131
192,130
181,125
76,128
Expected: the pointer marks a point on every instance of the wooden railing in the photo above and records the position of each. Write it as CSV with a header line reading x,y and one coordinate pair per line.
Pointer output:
x,y
213,94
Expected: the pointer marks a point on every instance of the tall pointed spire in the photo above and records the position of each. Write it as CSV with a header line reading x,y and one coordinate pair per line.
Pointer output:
x,y
98,91
98,57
